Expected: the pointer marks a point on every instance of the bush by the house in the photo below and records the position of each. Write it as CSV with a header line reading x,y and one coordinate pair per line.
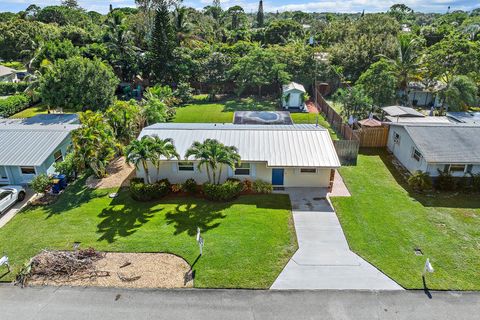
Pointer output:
x,y
184,92
260,186
444,181
190,186
247,186
41,183
420,181
222,192
67,166
9,88
476,182
141,191
176,188
13,104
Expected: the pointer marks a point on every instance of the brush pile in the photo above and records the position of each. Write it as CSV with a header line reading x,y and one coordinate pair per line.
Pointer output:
x,y
61,265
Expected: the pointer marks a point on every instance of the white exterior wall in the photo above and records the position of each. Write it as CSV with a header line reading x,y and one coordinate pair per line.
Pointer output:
x,y
258,171
294,100
404,150
404,153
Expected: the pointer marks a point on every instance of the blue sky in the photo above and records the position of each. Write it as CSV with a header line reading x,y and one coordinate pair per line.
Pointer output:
x,y
272,5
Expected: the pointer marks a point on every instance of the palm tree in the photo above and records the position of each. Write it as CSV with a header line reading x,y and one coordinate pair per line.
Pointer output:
x,y
163,148
406,63
213,155
140,152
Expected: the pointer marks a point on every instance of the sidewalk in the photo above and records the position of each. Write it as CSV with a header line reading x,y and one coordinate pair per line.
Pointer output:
x,y
323,259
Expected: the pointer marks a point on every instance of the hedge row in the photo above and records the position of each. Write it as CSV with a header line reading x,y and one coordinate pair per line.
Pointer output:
x,y
13,104
9,88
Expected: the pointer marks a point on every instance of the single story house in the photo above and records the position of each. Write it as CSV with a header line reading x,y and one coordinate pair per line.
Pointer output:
x,y
421,95
472,118
31,149
427,119
284,155
8,74
432,147
293,97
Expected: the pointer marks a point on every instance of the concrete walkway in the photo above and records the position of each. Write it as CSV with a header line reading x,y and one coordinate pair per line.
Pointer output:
x,y
323,259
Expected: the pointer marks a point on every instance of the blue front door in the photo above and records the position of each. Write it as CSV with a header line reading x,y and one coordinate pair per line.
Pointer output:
x,y
277,177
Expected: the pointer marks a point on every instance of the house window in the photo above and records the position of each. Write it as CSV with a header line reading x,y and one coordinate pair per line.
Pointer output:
x,y
469,168
27,170
185,166
457,168
308,170
396,138
416,154
242,169
58,156
3,173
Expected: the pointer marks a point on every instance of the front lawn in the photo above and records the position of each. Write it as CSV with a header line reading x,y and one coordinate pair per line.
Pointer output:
x,y
247,241
384,222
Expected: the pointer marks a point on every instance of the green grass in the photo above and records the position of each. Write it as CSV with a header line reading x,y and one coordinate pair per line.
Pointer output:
x,y
247,241
30,112
222,112
384,221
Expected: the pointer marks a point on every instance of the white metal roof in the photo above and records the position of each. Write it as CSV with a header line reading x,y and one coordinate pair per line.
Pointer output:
x,y
278,145
293,86
30,145
419,119
5,71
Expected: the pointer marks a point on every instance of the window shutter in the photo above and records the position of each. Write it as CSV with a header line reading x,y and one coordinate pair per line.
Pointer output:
x,y
253,170
174,167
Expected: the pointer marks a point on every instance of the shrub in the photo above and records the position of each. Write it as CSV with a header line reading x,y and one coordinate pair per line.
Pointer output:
x,y
247,186
444,181
184,92
420,181
13,104
476,182
222,192
67,166
141,191
190,186
9,88
260,186
176,188
41,183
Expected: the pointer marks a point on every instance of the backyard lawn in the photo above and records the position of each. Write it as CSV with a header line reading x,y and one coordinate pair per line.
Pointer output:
x,y
384,222
247,241
222,112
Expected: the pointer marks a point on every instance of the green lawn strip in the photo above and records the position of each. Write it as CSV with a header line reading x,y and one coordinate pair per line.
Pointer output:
x,y
247,241
384,223
30,112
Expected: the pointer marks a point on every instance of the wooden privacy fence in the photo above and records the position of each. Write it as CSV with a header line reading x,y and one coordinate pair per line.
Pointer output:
x,y
347,151
375,137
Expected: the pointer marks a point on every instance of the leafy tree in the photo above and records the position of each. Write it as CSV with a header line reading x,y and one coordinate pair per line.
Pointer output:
x,y
380,83
215,72
52,51
94,143
66,166
140,152
162,45
402,13
281,31
157,105
124,119
213,155
258,68
355,101
260,15
163,149
78,84
237,16
70,3
460,94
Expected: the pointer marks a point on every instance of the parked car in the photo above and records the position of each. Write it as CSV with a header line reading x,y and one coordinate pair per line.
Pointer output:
x,y
10,195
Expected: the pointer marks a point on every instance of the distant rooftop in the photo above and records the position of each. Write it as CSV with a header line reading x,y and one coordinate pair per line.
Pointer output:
x,y
419,120
401,111
293,86
465,117
45,119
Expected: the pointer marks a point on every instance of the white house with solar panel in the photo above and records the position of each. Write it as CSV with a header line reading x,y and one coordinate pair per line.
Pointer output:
x,y
284,155
29,147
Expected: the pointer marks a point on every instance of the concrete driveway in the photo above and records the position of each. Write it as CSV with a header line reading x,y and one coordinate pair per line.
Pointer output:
x,y
10,213
323,259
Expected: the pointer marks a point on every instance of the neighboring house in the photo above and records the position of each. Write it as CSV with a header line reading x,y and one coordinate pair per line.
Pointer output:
x,y
8,74
432,147
28,149
422,96
472,118
284,155
412,120
293,97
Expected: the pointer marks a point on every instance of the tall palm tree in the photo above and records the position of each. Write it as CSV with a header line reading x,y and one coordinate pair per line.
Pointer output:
x,y
163,148
139,152
406,63
213,155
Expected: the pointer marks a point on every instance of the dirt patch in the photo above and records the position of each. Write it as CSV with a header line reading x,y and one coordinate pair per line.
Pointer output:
x,y
119,174
129,270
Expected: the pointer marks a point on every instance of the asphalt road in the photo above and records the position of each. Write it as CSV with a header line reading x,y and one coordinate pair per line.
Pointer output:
x,y
97,303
